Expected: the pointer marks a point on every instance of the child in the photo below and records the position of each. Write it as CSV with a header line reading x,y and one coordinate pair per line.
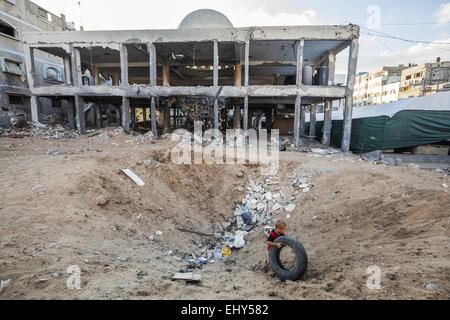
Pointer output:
x,y
279,231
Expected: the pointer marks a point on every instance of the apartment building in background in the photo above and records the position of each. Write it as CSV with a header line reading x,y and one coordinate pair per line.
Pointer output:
x,y
390,84
380,86
16,18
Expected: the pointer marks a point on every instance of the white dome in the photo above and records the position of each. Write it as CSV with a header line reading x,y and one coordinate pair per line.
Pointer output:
x,y
205,19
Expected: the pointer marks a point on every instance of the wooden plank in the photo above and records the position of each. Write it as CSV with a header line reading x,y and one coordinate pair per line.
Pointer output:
x,y
134,177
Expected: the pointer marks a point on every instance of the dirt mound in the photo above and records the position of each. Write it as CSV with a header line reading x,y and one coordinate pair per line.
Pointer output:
x,y
76,207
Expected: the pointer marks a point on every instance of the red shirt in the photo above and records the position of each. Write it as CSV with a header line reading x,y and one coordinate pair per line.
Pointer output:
x,y
273,236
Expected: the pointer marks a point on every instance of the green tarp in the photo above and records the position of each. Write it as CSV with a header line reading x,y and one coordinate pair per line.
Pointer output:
x,y
407,128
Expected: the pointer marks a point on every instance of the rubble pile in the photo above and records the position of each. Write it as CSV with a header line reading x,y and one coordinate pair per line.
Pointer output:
x,y
145,138
44,132
262,202
108,133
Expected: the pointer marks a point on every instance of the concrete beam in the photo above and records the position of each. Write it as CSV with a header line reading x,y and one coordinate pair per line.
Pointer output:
x,y
331,32
348,110
143,91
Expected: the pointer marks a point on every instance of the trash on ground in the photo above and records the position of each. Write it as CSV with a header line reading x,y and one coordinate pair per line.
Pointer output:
x,y
134,177
188,277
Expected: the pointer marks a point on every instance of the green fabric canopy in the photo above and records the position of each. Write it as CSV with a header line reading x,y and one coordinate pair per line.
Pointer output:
x,y
407,128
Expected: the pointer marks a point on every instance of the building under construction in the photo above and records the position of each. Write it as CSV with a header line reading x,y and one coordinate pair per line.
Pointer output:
x,y
207,70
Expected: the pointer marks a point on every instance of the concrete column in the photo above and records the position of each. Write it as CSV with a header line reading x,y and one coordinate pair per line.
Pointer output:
x,y
153,115
166,75
237,117
68,70
95,74
216,64
34,109
98,115
76,66
269,118
133,117
152,64
29,65
331,68
167,118
327,123
348,109
237,75
300,54
68,104
297,116
80,118
216,114
312,122
302,124
126,114
124,64
247,63
246,113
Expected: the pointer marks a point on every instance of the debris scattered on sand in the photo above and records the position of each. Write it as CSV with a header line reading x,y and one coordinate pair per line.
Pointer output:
x,y
138,181
188,277
44,132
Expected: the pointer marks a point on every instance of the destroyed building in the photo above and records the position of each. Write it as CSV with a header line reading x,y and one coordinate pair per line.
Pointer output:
x,y
208,70
16,18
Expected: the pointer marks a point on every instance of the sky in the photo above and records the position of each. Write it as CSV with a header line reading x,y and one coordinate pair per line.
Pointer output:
x,y
418,20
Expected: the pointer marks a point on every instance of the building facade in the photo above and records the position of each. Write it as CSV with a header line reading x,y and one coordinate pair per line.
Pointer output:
x,y
169,75
411,84
17,18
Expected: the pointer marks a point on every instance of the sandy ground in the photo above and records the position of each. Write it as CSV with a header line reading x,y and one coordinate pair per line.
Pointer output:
x,y
66,202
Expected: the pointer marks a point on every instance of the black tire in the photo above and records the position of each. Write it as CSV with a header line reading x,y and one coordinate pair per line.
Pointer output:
x,y
301,260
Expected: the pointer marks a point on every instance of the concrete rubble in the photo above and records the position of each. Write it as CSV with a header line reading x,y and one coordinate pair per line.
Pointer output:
x,y
262,203
47,132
